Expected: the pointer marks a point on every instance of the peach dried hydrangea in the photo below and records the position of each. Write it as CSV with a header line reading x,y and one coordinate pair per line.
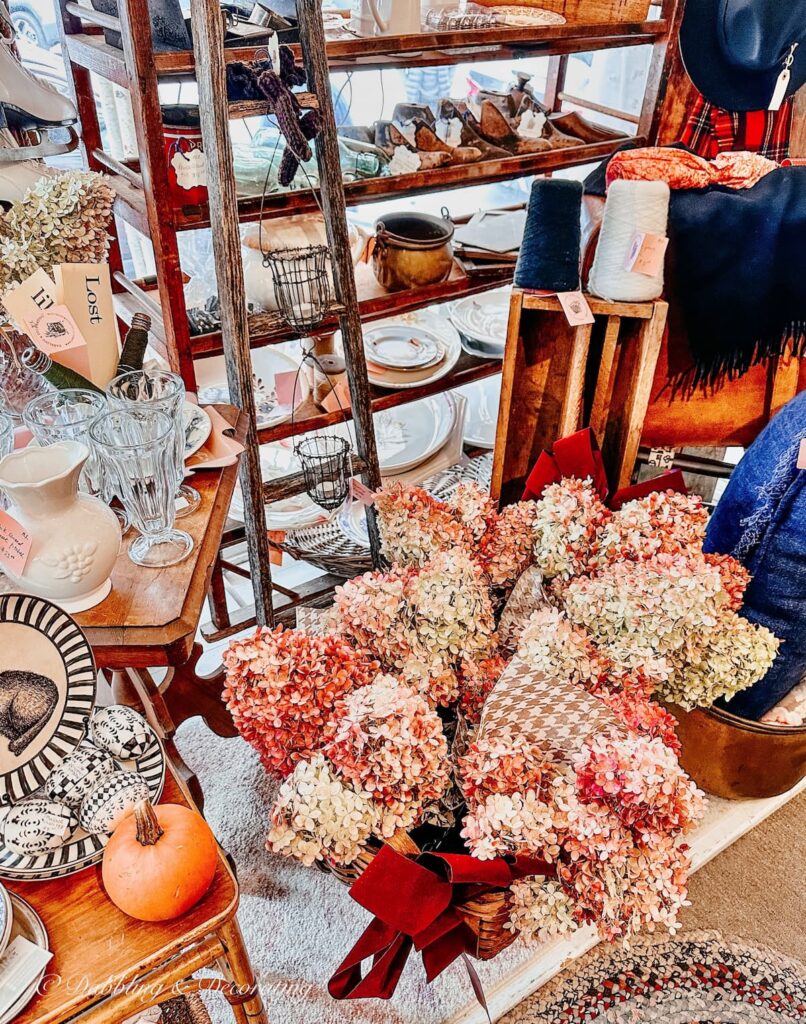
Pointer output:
x,y
414,526
504,824
372,609
474,507
719,662
567,521
552,644
388,742
660,522
476,681
281,687
504,764
734,576
506,549
318,817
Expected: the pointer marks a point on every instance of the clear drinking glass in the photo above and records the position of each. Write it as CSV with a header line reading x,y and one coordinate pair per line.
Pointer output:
x,y
136,446
66,416
6,444
165,391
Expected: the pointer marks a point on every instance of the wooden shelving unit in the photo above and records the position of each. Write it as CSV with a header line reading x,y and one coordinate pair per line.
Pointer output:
x,y
144,202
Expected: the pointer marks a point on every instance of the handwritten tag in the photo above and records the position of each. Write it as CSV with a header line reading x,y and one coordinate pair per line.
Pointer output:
x,y
190,168
15,544
55,331
663,458
284,387
802,455
576,308
361,493
646,254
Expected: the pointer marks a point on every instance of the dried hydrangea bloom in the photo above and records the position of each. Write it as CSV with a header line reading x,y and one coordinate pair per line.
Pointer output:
x,y
504,763
661,601
414,526
476,680
281,688
475,508
550,643
661,522
567,521
388,741
317,817
503,824
719,662
540,909
506,550
372,610
734,577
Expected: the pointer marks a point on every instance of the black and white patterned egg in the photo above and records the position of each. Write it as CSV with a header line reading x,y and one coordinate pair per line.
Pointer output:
x,y
108,803
79,772
120,731
36,826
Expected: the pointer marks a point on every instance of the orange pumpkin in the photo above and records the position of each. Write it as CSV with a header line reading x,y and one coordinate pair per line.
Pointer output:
x,y
159,862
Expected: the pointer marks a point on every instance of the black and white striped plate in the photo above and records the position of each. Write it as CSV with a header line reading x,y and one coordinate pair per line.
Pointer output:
x,y
84,850
53,702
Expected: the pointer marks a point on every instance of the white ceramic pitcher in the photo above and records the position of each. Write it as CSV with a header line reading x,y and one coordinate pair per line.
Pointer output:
x,y
385,17
75,537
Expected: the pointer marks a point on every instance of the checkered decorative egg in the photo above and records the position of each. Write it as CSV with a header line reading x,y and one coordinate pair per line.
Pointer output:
x,y
36,826
120,731
108,803
78,773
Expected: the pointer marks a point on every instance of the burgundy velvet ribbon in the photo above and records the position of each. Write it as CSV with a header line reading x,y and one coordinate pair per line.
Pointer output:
x,y
578,456
414,901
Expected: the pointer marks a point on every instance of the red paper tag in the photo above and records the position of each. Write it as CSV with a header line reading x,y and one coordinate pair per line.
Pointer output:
x,y
15,543
55,331
284,387
576,308
646,254
361,493
802,455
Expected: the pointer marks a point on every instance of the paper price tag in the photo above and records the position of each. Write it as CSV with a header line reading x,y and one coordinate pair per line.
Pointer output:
x,y
576,308
55,331
190,168
802,454
663,458
361,493
284,387
646,254
15,543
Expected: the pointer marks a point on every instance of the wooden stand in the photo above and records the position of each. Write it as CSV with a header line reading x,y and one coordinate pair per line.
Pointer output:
x,y
551,367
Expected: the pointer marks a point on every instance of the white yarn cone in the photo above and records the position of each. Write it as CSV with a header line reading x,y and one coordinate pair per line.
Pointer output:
x,y
631,207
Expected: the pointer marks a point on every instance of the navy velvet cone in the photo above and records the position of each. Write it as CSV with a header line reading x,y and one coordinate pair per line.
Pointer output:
x,y
550,252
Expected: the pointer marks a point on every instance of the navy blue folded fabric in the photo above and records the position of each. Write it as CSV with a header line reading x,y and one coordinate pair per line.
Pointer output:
x,y
761,521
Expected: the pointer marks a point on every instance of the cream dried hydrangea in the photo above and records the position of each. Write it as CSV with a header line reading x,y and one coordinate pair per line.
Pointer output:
x,y
540,909
415,526
510,823
551,644
719,662
61,219
474,507
317,817
567,521
663,521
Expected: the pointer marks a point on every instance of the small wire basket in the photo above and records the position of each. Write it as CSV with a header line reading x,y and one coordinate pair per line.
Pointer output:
x,y
301,284
326,464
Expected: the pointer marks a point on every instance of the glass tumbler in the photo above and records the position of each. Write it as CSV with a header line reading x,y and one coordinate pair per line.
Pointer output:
x,y
66,416
6,444
137,450
165,391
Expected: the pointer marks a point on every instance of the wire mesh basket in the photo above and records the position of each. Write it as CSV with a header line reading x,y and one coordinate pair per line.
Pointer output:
x,y
301,284
326,464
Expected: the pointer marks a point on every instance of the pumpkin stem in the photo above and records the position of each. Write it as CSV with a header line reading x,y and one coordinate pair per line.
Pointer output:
x,y
148,826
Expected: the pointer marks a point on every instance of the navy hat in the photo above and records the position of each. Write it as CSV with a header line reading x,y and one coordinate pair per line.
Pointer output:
x,y
735,51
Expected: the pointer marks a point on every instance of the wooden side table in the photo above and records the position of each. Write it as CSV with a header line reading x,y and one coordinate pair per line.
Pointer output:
x,y
151,619
107,966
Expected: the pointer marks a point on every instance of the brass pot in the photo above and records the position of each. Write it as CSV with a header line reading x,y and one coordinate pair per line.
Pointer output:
x,y
412,250
736,758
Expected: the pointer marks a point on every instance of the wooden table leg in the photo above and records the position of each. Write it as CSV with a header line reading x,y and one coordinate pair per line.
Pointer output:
x,y
237,968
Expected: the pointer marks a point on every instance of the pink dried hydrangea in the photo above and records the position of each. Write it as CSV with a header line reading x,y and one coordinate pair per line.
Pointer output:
x,y
504,764
388,742
476,680
507,548
567,522
372,610
641,781
734,577
282,686
475,508
663,522
415,526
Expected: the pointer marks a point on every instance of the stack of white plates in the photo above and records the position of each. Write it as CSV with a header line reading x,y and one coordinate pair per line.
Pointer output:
x,y
410,350
483,398
482,321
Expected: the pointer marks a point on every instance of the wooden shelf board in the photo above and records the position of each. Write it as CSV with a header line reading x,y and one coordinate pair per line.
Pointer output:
x,y
373,190
467,369
600,307
451,47
89,50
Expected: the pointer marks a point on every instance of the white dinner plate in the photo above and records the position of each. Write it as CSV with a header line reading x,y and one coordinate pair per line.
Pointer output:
x,y
409,434
211,378
483,397
437,326
483,319
197,428
27,924
402,347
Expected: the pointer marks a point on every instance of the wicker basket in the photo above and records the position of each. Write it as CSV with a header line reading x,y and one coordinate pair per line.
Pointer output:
x,y
738,759
485,915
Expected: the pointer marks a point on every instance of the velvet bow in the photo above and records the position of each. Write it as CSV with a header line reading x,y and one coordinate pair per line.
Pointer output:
x,y
414,902
578,456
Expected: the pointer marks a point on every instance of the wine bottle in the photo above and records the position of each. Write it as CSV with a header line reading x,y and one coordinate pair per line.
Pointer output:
x,y
134,347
